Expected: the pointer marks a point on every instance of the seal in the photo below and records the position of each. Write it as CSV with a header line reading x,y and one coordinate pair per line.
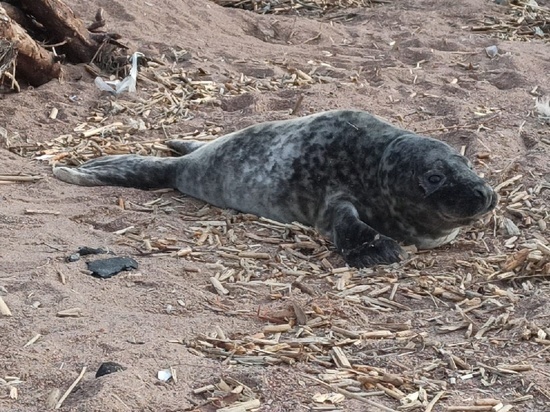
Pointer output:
x,y
362,182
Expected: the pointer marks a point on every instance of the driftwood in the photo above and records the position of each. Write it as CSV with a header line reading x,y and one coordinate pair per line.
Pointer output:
x,y
34,63
16,14
61,23
61,36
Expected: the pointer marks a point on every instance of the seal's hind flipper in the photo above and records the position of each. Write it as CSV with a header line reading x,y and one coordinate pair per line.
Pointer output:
x,y
76,177
141,172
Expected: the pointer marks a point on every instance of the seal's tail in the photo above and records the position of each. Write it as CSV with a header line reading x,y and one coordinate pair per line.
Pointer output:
x,y
141,172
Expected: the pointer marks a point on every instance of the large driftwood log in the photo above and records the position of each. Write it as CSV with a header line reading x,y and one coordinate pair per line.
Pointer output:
x,y
16,14
34,63
55,25
61,22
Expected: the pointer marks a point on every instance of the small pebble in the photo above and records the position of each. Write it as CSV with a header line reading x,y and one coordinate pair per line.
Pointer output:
x,y
492,51
85,250
73,258
510,227
53,397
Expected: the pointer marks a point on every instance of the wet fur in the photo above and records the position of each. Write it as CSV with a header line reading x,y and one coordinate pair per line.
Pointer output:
x,y
361,181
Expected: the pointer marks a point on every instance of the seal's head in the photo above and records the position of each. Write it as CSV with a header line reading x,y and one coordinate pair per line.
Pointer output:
x,y
433,187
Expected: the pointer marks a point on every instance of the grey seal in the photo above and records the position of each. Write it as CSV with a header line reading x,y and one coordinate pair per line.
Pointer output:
x,y
362,182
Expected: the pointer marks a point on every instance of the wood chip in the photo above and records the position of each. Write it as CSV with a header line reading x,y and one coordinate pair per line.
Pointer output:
x,y
70,389
32,340
4,309
285,327
254,255
53,398
301,317
19,178
340,358
218,286
41,212
70,313
241,406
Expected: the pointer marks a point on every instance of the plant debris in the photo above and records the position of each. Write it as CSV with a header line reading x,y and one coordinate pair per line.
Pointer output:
x,y
351,358
522,20
228,395
306,7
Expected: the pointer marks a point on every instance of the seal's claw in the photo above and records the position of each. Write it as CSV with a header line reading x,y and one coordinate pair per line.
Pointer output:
x,y
381,251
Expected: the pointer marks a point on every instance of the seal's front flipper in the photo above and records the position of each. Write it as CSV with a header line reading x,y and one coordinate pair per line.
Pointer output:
x,y
361,245
380,250
141,172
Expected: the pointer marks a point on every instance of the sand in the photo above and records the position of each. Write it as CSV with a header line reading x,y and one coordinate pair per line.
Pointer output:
x,y
415,63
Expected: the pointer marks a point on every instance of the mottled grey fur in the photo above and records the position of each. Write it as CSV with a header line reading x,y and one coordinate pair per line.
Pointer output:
x,y
361,181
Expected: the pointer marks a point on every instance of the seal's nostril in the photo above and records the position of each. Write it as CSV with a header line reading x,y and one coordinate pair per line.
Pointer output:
x,y
480,193
487,196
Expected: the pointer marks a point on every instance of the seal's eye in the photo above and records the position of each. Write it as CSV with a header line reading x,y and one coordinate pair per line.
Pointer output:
x,y
431,181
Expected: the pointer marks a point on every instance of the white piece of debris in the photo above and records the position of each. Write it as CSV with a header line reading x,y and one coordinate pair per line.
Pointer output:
x,y
543,107
117,87
164,375
45,157
492,51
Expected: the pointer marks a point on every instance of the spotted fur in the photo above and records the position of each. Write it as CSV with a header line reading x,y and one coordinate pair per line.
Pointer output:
x,y
359,180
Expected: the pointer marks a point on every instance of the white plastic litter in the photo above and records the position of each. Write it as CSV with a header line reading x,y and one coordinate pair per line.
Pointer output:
x,y
492,51
45,157
543,107
117,87
164,375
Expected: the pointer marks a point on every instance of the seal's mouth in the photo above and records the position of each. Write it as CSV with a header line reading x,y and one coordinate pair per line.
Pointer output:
x,y
484,201
461,220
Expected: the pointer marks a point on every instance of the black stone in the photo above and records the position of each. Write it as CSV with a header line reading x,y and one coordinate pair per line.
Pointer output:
x,y
106,268
107,368
85,250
